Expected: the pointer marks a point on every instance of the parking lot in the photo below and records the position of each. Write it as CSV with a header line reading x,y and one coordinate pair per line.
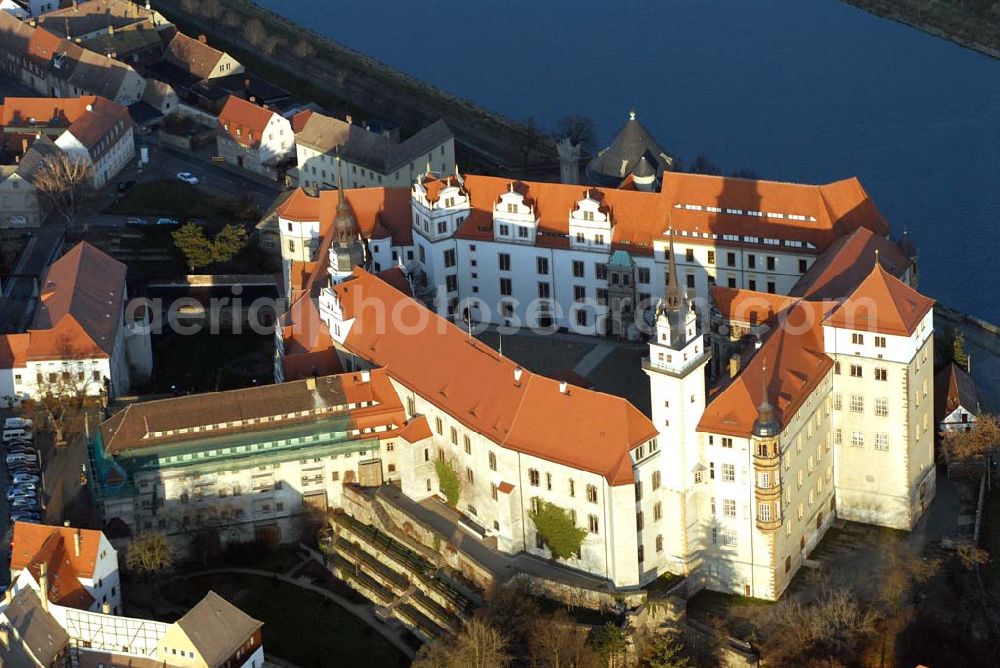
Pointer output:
x,y
20,463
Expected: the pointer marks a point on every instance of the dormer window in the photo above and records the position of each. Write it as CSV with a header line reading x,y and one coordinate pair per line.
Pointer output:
x,y
511,207
449,201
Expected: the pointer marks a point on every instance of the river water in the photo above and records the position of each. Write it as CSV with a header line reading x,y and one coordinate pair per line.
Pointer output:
x,y
797,90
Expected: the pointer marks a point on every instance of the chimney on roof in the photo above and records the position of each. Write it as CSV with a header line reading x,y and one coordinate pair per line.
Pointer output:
x,y
517,375
311,384
43,584
65,523
106,608
734,365
563,387
76,543
366,376
202,38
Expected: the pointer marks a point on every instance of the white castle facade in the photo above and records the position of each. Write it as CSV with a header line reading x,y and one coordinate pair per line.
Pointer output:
x,y
801,390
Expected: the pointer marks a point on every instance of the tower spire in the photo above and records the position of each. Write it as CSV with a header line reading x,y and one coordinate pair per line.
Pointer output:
x,y
344,226
673,287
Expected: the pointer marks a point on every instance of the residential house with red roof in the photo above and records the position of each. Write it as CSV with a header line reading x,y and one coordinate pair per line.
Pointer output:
x,y
255,138
54,66
75,568
85,337
91,128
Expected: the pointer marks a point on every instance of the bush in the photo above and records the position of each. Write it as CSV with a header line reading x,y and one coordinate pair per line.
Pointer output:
x,y
448,480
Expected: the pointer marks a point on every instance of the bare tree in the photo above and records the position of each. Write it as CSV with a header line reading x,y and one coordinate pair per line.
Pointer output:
x,y
479,645
580,130
255,32
61,394
974,446
149,555
557,641
63,179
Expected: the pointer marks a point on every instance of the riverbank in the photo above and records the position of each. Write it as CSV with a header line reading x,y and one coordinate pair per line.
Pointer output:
x,y
315,68
942,18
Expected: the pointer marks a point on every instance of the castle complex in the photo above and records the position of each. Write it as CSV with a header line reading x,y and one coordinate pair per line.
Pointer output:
x,y
789,365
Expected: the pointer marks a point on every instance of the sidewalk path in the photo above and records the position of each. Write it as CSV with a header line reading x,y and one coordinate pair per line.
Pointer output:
x,y
362,611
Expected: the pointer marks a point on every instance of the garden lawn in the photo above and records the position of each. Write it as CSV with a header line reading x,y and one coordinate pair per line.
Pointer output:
x,y
299,625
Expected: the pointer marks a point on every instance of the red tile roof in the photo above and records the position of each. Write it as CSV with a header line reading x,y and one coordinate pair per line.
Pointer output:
x,y
476,385
244,121
385,210
790,364
747,306
14,350
35,544
82,297
882,303
847,262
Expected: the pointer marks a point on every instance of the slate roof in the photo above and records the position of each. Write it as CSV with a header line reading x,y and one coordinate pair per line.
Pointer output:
x,y
217,628
954,387
39,632
625,154
369,149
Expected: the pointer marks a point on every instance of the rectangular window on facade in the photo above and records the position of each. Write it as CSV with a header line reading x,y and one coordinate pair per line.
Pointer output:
x,y
881,406
591,494
731,260
639,521
643,274
857,403
656,480
468,444
771,262
439,426
534,479
506,288
711,257
881,374
729,537
837,401
544,290
880,342
449,257
689,254
856,371
838,436
690,280
451,283
764,512
581,318
729,507
858,339
543,265
579,292
881,441
751,261
727,442
858,439
657,511
493,461
592,524
578,268
803,266
504,261
601,271
728,473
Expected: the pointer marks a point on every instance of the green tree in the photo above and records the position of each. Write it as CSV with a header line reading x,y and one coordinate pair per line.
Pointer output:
x,y
958,351
230,240
666,652
197,249
448,480
610,641
555,526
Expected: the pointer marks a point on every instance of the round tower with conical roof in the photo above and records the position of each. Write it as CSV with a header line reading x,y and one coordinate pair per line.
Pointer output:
x,y
347,250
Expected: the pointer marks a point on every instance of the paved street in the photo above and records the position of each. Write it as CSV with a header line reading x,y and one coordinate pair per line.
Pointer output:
x,y
16,305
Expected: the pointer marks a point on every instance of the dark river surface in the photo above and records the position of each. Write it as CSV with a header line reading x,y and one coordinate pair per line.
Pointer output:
x,y
803,90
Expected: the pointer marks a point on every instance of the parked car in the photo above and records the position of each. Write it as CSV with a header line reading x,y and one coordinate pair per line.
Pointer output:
x,y
23,468
32,517
18,423
22,450
19,444
14,494
188,177
21,458
125,186
168,221
25,487
23,503
135,222
15,435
